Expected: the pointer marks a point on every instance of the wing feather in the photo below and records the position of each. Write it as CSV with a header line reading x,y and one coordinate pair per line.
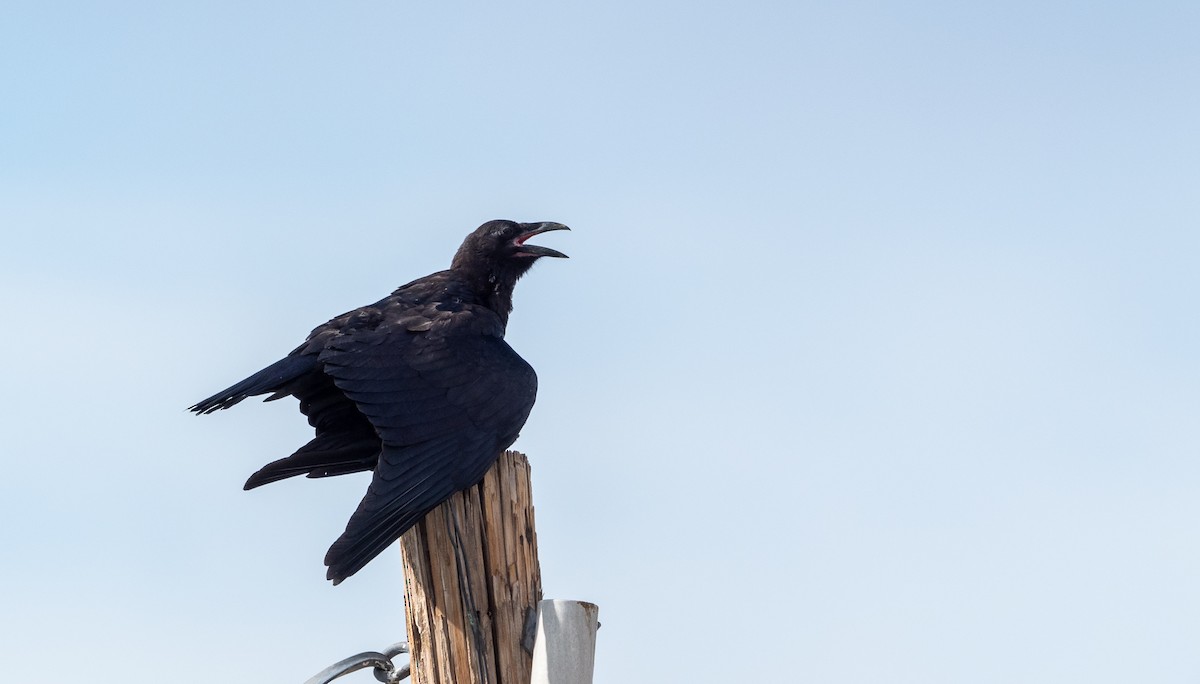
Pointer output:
x,y
444,401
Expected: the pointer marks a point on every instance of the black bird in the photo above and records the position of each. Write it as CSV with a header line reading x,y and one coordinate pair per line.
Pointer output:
x,y
419,387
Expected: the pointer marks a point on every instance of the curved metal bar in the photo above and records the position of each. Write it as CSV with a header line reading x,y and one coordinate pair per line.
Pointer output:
x,y
385,670
352,664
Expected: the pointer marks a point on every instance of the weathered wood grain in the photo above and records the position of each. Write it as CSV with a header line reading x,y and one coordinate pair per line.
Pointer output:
x,y
471,579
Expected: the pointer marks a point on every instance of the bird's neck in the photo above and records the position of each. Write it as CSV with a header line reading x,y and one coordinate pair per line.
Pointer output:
x,y
500,299
493,290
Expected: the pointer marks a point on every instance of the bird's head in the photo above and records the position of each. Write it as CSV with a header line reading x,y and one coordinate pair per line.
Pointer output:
x,y
498,250
496,255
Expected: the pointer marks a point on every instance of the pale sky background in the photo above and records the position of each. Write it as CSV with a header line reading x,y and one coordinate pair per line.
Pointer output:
x,y
875,359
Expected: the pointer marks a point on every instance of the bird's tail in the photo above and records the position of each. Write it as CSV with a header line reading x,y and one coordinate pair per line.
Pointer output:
x,y
270,379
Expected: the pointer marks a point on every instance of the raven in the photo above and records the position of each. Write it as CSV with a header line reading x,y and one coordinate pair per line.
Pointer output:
x,y
419,387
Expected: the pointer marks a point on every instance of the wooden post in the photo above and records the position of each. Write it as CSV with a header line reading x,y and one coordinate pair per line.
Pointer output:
x,y
472,582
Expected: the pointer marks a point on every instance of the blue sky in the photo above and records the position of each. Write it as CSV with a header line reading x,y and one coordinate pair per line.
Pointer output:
x,y
875,359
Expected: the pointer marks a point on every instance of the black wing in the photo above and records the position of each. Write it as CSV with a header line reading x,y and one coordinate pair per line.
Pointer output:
x,y
345,440
446,396
270,379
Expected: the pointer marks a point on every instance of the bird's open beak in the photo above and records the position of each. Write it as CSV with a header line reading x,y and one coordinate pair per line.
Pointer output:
x,y
532,229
